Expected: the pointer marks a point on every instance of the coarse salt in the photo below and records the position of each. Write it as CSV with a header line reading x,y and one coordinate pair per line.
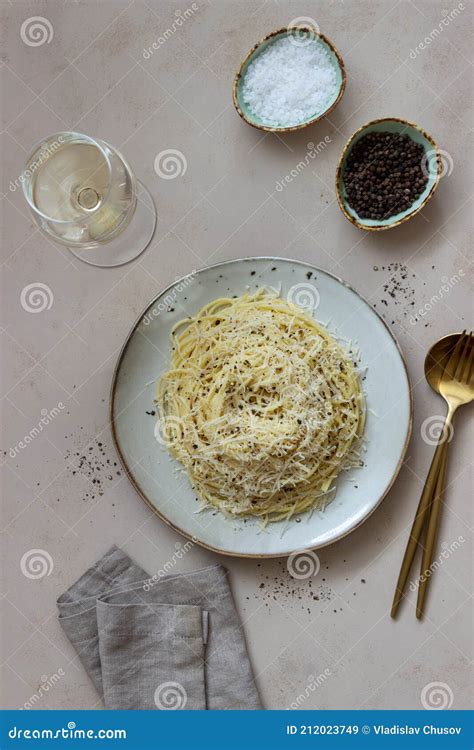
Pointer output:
x,y
288,83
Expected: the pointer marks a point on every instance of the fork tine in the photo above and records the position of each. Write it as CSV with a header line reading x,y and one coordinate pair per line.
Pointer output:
x,y
451,365
462,358
467,372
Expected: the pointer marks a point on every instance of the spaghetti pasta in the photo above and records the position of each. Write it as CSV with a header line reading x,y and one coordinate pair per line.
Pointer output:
x,y
261,406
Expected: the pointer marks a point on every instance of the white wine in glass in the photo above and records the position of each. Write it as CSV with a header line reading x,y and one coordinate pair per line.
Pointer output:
x,y
84,195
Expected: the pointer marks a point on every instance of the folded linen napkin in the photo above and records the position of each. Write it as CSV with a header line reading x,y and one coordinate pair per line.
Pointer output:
x,y
170,643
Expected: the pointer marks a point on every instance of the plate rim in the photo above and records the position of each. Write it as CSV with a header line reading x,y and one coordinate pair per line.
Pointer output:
x,y
135,484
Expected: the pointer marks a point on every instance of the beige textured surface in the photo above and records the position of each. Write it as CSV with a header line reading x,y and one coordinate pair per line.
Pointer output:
x,y
92,76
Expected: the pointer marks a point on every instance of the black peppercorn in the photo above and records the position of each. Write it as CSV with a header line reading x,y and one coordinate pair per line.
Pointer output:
x,y
383,175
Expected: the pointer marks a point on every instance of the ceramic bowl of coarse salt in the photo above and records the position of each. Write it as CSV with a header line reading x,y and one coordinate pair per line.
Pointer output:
x,y
289,80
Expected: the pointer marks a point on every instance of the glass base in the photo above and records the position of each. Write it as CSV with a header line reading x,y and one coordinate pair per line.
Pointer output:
x,y
130,243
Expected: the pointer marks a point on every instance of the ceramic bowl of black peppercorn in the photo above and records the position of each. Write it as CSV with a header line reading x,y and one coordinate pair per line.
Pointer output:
x,y
387,172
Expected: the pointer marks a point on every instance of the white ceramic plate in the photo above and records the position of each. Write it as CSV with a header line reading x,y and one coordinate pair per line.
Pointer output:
x,y
158,478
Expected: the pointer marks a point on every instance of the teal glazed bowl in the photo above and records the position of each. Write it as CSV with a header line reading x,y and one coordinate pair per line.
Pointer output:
x,y
252,119
433,167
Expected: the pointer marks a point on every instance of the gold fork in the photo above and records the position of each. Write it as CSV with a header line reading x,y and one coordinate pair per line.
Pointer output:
x,y
450,374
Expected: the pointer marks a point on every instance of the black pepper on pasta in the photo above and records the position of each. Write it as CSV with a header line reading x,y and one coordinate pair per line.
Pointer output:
x,y
261,405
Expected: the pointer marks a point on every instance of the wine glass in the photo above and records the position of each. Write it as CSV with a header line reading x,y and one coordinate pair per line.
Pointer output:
x,y
83,194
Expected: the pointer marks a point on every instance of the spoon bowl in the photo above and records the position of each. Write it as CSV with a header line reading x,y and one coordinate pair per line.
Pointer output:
x,y
437,359
438,375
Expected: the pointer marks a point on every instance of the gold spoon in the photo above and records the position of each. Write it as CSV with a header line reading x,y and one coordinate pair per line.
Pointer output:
x,y
448,370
